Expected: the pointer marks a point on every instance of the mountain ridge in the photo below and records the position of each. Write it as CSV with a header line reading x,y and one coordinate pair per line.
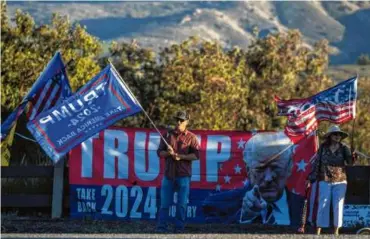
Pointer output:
x,y
159,24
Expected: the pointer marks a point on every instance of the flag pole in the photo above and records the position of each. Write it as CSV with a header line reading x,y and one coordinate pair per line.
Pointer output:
x,y
318,157
352,136
353,123
137,101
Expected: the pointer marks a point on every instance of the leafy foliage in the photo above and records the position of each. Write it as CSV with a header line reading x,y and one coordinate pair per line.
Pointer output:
x,y
363,60
139,69
223,89
362,123
26,49
229,89
281,65
205,80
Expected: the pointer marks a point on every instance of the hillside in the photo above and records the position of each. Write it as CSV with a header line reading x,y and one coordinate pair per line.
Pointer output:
x,y
158,24
342,72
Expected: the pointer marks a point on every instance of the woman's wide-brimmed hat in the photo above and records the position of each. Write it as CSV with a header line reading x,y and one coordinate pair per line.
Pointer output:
x,y
336,129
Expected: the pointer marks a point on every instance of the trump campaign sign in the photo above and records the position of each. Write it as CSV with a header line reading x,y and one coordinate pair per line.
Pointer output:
x,y
116,174
97,105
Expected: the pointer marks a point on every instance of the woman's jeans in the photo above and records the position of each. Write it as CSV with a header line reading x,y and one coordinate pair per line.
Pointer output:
x,y
182,186
335,193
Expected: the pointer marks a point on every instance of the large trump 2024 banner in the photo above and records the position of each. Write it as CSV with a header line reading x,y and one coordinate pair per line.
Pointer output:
x,y
117,175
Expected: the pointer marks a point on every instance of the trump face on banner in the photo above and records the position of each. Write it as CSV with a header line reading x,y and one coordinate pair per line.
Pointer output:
x,y
264,197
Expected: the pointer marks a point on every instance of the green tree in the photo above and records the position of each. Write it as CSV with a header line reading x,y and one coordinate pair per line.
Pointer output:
x,y
281,65
362,123
234,89
363,59
204,79
222,89
140,71
26,48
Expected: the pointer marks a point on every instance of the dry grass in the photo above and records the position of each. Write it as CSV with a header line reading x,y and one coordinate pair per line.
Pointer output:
x,y
344,72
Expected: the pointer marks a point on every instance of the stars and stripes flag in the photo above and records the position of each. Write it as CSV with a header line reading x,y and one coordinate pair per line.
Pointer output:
x,y
101,102
50,89
336,104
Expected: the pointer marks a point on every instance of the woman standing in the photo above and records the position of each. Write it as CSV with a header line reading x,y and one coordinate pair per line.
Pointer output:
x,y
329,171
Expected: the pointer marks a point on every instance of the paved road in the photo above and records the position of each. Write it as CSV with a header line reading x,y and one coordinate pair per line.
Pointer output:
x,y
167,236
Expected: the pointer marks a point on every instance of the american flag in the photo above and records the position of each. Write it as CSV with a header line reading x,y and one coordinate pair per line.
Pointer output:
x,y
336,104
51,94
49,89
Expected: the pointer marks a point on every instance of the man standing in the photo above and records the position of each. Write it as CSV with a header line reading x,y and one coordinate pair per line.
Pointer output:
x,y
179,150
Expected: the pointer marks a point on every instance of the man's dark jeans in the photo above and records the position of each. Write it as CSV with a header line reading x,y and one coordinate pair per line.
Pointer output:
x,y
182,186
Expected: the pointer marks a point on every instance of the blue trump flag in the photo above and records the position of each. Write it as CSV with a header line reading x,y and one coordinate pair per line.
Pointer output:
x,y
50,88
101,102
